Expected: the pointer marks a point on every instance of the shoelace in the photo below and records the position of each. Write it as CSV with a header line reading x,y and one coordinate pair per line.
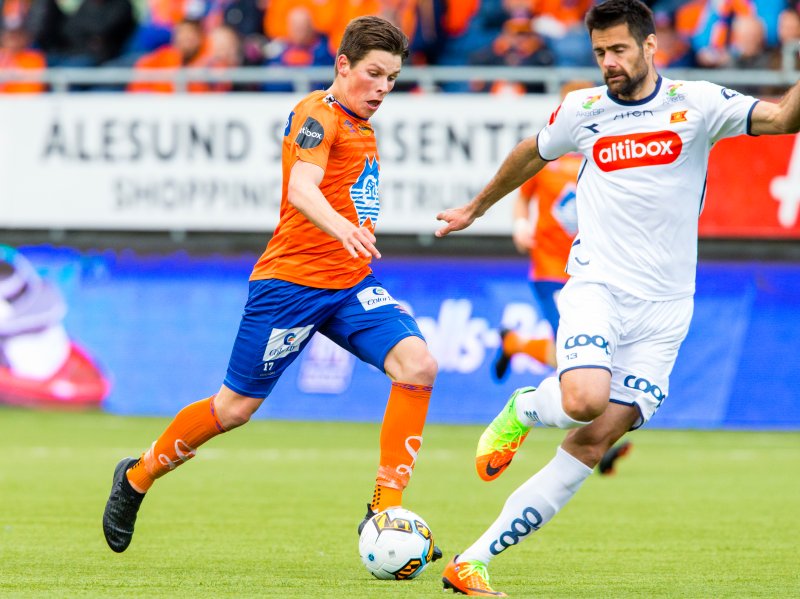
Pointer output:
x,y
510,437
474,569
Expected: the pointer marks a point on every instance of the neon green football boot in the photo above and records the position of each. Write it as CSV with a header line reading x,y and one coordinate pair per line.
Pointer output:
x,y
501,439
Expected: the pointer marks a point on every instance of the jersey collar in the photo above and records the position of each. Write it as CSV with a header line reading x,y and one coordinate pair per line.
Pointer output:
x,y
635,102
348,111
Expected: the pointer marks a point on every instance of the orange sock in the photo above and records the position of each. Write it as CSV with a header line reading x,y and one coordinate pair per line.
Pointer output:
x,y
542,350
192,426
401,439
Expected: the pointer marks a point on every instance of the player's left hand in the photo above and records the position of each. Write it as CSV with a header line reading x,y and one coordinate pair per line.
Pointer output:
x,y
360,243
456,219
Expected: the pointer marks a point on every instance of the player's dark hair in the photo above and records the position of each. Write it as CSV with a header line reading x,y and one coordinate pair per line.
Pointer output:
x,y
365,34
610,13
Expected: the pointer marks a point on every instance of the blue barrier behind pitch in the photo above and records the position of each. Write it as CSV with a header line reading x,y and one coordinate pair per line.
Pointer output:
x,y
162,327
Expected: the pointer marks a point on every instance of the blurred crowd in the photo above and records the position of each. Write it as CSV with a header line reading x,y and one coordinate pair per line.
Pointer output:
x,y
219,34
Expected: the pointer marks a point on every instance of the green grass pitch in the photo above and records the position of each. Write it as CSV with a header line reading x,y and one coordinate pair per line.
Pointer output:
x,y
270,510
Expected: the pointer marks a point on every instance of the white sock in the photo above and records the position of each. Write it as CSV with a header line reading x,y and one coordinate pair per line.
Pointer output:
x,y
544,406
531,506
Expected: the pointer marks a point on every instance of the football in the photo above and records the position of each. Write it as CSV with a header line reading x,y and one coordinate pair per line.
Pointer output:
x,y
396,544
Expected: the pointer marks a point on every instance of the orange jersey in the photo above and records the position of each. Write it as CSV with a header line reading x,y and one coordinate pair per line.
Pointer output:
x,y
556,225
166,57
321,131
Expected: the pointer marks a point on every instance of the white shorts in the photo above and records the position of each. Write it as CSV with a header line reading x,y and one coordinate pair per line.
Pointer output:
x,y
636,340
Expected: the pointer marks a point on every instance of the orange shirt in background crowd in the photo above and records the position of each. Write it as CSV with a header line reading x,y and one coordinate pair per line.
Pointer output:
x,y
24,60
568,12
331,18
458,16
166,57
324,15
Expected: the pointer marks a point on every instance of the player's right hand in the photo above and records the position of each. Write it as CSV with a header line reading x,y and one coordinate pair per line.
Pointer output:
x,y
360,243
456,219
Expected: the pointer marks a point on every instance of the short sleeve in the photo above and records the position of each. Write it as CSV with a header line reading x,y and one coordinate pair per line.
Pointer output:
x,y
313,133
555,139
727,112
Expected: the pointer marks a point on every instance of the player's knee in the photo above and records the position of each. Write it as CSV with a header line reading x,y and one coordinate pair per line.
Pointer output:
x,y
419,369
583,405
235,412
423,370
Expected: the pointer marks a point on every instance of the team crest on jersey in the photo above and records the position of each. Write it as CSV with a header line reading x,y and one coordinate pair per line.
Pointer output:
x,y
678,117
364,192
565,209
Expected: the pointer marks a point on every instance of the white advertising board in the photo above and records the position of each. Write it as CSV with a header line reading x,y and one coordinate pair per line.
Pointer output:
x,y
212,162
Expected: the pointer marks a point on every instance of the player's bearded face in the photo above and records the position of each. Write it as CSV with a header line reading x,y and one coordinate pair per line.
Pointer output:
x,y
625,63
624,81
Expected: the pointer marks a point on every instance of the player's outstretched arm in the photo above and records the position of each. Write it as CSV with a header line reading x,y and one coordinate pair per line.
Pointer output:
x,y
769,118
520,165
305,195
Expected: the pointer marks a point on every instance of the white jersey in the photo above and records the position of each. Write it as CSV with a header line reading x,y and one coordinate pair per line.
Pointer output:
x,y
643,182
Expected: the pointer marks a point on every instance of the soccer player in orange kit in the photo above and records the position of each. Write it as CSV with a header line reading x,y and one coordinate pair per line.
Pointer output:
x,y
313,276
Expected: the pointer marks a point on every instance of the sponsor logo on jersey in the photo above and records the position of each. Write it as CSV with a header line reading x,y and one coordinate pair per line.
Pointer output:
x,y
634,114
285,341
594,112
589,102
350,126
673,94
728,93
311,134
678,117
364,192
672,90
593,127
375,297
636,149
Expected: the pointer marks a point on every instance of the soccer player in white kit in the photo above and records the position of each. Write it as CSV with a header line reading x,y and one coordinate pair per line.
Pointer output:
x,y
628,303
